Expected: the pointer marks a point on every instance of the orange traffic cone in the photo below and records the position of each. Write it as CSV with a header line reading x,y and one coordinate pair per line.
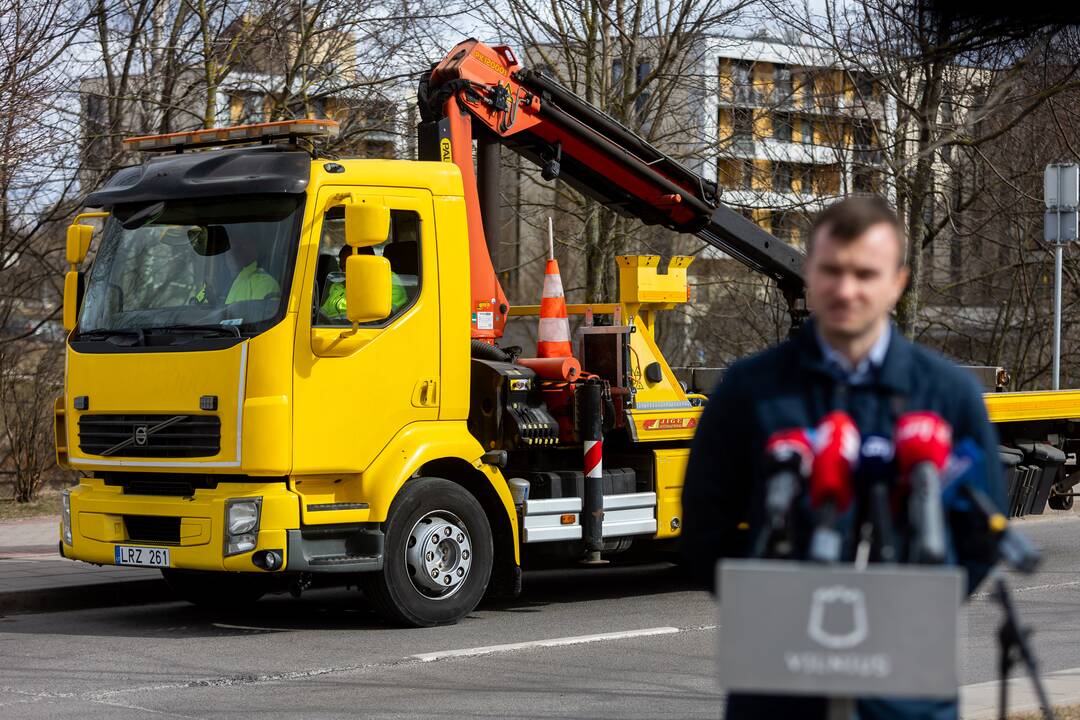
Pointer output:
x,y
553,339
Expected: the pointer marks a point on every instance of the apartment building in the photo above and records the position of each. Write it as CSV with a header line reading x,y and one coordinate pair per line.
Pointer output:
x,y
790,128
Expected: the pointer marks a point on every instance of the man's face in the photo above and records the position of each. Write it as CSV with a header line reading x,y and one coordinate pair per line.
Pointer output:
x,y
851,286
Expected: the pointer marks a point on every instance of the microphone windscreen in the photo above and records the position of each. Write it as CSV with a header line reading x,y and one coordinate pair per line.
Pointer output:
x,y
922,437
791,448
836,453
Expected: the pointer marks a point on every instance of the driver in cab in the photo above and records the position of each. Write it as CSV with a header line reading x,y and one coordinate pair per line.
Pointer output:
x,y
252,282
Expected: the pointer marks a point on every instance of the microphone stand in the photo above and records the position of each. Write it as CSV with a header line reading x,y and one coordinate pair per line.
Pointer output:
x,y
1013,639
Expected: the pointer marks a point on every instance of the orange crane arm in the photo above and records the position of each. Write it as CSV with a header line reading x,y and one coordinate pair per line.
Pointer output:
x,y
482,93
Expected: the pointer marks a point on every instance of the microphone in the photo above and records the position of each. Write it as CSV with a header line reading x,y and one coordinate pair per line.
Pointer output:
x,y
966,495
923,441
789,458
836,452
876,470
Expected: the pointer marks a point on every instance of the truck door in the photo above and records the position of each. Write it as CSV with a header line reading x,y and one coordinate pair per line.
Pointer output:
x,y
355,390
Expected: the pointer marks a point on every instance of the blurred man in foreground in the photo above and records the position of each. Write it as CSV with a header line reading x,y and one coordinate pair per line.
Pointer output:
x,y
847,357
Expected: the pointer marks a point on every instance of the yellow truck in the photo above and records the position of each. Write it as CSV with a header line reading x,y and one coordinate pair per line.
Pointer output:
x,y
284,368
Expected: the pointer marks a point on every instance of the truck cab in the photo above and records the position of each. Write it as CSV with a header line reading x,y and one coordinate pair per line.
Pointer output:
x,y
243,395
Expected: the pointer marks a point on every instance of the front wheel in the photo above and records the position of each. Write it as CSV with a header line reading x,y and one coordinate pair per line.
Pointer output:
x,y
438,555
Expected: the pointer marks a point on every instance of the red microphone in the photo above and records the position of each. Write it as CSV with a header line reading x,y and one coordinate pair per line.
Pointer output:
x,y
789,458
923,443
836,453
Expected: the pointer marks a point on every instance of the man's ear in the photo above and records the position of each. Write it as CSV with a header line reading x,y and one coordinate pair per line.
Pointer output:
x,y
903,280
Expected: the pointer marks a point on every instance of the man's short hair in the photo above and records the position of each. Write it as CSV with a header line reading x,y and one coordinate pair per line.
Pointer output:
x,y
847,219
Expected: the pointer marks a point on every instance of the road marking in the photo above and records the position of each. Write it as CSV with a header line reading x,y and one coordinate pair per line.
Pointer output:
x,y
1029,588
236,680
553,642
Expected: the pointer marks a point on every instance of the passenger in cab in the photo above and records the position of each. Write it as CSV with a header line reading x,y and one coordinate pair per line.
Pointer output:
x,y
333,306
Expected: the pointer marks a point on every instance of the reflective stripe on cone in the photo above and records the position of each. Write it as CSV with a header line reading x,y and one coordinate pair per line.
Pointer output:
x,y
553,336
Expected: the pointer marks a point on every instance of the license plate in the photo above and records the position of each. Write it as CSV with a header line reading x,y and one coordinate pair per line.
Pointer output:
x,y
144,556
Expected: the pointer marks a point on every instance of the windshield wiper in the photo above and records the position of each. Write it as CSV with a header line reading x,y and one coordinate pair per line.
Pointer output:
x,y
216,329
104,334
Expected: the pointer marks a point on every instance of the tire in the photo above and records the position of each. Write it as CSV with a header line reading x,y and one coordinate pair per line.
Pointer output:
x,y
423,582
216,590
1060,502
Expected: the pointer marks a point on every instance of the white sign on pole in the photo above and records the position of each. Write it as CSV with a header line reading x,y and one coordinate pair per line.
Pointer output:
x,y
1060,226
1061,187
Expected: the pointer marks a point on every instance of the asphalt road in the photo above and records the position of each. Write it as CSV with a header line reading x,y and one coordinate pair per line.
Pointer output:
x,y
325,655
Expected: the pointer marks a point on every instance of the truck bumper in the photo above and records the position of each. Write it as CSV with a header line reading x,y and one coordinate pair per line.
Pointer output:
x,y
193,528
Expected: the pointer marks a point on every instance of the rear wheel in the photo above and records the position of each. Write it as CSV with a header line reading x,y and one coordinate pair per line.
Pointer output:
x,y
216,590
438,555
1060,502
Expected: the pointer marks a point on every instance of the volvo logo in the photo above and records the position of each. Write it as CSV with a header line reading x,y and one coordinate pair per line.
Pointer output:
x,y
140,434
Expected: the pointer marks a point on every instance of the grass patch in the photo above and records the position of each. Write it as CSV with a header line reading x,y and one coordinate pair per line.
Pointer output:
x,y
47,504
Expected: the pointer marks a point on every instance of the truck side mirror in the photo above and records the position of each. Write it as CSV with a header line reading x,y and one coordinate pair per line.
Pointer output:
x,y
368,288
78,242
366,224
73,294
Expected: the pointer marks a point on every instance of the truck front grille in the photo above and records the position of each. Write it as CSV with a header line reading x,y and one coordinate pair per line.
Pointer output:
x,y
152,528
150,435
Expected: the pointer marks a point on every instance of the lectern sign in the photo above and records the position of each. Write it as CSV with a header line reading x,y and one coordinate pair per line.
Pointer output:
x,y
797,628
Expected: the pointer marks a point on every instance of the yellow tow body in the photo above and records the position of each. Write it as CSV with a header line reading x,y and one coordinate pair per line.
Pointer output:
x,y
1034,405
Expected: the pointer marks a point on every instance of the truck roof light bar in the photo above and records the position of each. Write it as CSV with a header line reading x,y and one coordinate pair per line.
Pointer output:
x,y
237,134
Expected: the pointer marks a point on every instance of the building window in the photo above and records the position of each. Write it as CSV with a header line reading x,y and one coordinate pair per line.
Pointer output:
x,y
251,108
863,136
741,81
641,102
806,132
780,225
781,179
748,174
742,128
807,87
864,179
782,127
782,87
864,85
806,180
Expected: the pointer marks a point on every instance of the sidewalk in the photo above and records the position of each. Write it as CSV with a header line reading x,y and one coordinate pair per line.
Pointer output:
x,y
980,702
34,578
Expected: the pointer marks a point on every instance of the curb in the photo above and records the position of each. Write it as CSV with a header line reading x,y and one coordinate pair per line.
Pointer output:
x,y
980,701
85,597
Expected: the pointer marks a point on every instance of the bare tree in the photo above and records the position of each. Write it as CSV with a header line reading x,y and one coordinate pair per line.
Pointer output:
x,y
953,81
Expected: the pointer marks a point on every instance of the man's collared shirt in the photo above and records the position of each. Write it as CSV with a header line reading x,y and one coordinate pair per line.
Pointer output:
x,y
858,374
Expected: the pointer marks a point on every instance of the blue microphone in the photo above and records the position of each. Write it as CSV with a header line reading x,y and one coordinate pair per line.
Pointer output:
x,y
966,496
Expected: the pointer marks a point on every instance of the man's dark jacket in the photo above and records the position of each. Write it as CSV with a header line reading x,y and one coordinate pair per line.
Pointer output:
x,y
791,386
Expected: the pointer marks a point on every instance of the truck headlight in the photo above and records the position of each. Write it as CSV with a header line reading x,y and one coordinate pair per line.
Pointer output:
x,y
65,514
242,524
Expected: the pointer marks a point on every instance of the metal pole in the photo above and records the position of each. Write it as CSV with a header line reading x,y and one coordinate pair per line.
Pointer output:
x,y
590,397
1057,308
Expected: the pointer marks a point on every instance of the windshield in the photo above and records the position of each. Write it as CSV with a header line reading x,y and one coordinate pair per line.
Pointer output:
x,y
204,263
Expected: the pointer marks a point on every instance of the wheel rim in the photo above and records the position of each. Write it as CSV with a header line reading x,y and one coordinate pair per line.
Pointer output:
x,y
438,555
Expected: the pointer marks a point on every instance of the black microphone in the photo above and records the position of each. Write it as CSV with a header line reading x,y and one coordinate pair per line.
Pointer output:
x,y
923,442
789,458
877,470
